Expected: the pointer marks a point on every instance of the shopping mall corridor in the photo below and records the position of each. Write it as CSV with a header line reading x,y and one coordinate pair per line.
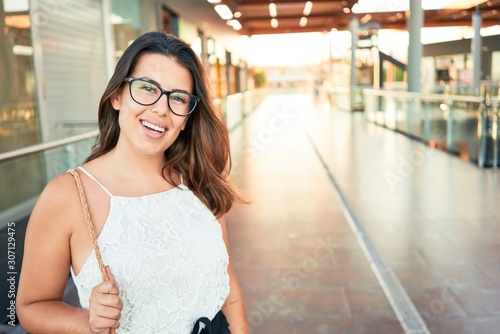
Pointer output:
x,y
356,229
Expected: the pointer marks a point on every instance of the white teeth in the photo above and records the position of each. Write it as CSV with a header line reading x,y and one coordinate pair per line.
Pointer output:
x,y
153,127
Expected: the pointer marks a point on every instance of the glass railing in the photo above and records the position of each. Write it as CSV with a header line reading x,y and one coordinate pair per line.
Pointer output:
x,y
347,98
340,98
18,125
353,99
25,172
236,107
463,125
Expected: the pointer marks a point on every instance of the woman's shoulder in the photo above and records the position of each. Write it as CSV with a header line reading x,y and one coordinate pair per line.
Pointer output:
x,y
60,186
56,210
58,196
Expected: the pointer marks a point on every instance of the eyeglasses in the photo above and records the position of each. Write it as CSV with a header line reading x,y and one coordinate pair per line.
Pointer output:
x,y
147,93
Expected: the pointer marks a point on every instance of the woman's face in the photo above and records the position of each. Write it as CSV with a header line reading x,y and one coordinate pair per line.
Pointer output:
x,y
150,130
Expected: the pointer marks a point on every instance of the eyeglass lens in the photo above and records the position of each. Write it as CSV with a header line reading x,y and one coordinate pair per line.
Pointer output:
x,y
147,93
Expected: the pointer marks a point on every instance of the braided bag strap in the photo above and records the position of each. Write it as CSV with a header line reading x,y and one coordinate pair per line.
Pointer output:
x,y
86,214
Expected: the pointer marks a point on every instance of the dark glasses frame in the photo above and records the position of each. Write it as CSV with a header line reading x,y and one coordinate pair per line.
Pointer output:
x,y
193,99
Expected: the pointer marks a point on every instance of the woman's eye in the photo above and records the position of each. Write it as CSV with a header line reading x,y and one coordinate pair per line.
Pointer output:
x,y
179,97
149,88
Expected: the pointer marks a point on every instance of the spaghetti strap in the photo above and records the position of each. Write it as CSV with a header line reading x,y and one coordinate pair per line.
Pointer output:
x,y
95,180
182,179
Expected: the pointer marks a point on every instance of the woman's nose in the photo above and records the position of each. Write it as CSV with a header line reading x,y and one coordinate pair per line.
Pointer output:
x,y
161,106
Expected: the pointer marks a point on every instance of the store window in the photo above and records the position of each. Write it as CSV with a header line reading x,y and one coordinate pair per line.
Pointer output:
x,y
18,116
170,22
126,19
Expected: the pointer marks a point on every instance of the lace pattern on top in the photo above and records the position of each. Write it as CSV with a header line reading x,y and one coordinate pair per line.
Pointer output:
x,y
168,257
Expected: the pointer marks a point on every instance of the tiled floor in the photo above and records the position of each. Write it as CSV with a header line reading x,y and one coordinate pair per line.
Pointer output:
x,y
435,219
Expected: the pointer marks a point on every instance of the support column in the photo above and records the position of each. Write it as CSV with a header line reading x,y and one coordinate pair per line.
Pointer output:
x,y
415,48
330,56
109,42
476,47
354,27
229,77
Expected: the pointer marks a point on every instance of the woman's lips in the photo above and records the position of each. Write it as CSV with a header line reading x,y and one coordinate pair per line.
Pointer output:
x,y
153,127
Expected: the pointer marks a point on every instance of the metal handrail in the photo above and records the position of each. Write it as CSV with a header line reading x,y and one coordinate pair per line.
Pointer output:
x,y
61,142
46,146
423,96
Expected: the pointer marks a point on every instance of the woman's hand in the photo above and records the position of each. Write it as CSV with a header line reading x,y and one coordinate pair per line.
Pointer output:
x,y
105,306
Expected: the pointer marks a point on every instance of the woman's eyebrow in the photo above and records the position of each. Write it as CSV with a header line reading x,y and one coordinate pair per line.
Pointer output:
x,y
150,80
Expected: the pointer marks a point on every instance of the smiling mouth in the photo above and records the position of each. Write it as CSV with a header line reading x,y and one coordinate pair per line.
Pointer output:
x,y
153,127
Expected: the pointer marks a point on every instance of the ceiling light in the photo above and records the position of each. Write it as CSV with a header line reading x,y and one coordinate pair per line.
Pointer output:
x,y
22,50
237,14
490,14
365,19
307,8
346,10
303,21
224,12
274,23
235,24
213,1
16,6
272,9
18,21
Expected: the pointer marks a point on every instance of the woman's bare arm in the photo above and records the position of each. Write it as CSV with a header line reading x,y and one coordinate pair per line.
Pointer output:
x,y
234,308
46,262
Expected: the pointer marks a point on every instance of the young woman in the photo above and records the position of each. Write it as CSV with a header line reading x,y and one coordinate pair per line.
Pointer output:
x,y
157,187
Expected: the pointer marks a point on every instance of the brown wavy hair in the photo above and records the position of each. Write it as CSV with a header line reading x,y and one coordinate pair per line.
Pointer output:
x,y
201,153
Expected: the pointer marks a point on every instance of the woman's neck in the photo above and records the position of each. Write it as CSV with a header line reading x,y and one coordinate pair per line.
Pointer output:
x,y
131,163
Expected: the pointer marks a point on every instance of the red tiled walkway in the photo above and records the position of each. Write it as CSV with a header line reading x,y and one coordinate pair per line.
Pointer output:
x,y
298,260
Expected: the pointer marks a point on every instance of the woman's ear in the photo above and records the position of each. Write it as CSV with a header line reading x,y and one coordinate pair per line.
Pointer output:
x,y
116,100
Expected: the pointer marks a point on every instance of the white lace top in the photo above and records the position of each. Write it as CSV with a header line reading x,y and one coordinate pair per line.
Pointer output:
x,y
168,258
